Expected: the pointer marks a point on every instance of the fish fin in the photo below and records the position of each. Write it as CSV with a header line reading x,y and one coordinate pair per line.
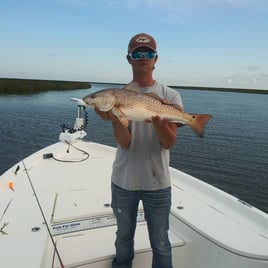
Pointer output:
x,y
165,101
132,86
198,122
120,115
176,106
178,123
117,111
123,120
153,95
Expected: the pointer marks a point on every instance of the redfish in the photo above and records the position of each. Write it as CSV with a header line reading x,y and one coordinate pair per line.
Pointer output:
x,y
127,104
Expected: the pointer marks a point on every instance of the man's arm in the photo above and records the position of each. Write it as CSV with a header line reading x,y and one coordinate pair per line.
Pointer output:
x,y
120,132
166,131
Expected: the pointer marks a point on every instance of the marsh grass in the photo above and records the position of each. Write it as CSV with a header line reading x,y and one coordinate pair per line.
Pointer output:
x,y
227,89
237,90
32,86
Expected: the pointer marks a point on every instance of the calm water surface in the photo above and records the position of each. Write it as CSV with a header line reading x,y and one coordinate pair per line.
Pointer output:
x,y
233,155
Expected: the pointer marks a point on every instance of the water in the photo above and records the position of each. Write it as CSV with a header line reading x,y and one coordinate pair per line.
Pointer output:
x,y
233,156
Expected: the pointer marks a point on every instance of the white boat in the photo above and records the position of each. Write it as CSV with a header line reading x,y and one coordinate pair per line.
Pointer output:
x,y
55,212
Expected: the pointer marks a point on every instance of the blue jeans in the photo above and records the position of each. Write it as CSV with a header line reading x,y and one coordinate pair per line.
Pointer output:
x,y
156,206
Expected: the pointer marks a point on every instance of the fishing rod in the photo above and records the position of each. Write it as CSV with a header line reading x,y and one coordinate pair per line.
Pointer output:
x,y
43,215
5,210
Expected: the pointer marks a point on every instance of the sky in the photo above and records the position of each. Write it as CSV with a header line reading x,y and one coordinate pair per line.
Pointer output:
x,y
214,43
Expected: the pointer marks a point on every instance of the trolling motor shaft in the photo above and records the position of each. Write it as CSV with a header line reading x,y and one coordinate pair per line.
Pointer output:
x,y
77,132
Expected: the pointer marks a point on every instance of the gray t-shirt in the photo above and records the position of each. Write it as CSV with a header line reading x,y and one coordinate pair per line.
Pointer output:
x,y
144,165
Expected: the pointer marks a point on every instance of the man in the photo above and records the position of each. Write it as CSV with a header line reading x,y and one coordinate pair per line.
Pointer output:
x,y
141,166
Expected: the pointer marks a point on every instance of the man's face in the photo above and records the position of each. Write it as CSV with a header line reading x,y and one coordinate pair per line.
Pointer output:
x,y
142,59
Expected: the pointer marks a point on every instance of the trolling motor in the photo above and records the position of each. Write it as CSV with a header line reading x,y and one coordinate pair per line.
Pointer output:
x,y
77,132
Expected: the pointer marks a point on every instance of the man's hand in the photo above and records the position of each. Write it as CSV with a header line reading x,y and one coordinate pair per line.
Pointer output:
x,y
106,115
165,130
157,121
164,101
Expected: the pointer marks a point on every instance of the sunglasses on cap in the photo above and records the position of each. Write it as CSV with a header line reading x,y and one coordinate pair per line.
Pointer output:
x,y
137,55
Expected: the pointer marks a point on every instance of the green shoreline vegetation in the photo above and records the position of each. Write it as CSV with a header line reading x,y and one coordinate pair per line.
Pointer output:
x,y
224,89
32,86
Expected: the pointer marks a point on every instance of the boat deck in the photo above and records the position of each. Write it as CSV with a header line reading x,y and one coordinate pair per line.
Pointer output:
x,y
74,197
220,217
96,246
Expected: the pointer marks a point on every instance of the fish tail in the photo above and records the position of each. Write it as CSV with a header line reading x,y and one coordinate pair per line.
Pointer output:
x,y
199,122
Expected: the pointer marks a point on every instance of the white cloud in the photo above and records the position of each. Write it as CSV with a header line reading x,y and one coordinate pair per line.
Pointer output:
x,y
244,80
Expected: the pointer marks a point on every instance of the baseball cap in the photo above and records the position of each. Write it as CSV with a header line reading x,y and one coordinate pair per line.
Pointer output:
x,y
141,40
